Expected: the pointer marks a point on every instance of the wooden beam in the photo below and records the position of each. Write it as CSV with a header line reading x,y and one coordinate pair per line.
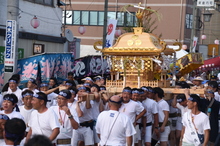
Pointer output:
x,y
166,90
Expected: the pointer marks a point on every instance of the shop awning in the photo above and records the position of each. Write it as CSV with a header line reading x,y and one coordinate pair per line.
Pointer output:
x,y
211,63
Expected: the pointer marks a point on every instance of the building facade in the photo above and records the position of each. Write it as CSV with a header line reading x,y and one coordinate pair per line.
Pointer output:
x,y
175,23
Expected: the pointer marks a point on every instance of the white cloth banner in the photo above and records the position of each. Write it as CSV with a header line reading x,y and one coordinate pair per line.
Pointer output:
x,y
112,23
205,3
195,39
10,46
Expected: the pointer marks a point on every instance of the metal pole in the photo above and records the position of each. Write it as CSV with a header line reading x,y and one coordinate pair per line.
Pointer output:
x,y
11,39
105,23
174,70
193,24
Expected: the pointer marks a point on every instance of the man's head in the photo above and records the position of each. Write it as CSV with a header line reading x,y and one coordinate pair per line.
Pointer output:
x,y
81,90
3,119
88,85
9,102
142,95
44,87
16,76
70,83
193,101
115,102
102,88
63,97
126,94
14,130
135,94
189,83
32,83
39,100
70,76
39,140
88,80
102,81
213,78
159,93
95,88
197,81
213,85
73,92
145,89
13,84
182,84
209,93
181,99
151,93
27,96
97,80
52,82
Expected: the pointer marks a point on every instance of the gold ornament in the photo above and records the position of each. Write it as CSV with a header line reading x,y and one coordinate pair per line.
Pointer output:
x,y
138,42
130,42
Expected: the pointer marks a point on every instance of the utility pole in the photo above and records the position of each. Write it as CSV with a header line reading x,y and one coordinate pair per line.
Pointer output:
x,y
11,39
193,24
105,23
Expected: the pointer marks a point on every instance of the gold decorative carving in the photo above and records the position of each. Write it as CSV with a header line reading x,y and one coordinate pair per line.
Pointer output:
x,y
134,37
98,43
178,44
138,42
130,42
155,41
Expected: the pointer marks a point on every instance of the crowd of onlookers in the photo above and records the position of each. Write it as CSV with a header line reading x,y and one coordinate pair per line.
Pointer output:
x,y
72,114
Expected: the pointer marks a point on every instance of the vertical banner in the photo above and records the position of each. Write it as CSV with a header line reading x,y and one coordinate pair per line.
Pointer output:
x,y
72,47
10,45
195,39
112,23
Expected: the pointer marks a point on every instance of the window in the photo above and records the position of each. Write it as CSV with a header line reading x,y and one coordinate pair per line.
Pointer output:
x,y
69,19
76,18
97,18
43,2
38,49
189,19
93,18
120,17
130,19
101,18
85,17
111,15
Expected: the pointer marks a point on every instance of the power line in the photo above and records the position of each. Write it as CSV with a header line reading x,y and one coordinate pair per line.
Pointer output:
x,y
84,10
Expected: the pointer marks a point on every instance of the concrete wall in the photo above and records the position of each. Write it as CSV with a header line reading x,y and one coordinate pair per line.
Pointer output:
x,y
49,47
50,18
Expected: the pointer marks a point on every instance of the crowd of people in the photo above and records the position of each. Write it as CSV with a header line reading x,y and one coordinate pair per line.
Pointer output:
x,y
73,114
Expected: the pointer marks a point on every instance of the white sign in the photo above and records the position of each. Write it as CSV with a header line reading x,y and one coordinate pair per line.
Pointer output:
x,y
112,23
195,39
205,3
10,45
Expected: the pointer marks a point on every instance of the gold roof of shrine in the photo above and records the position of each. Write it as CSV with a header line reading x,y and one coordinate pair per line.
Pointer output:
x,y
137,43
